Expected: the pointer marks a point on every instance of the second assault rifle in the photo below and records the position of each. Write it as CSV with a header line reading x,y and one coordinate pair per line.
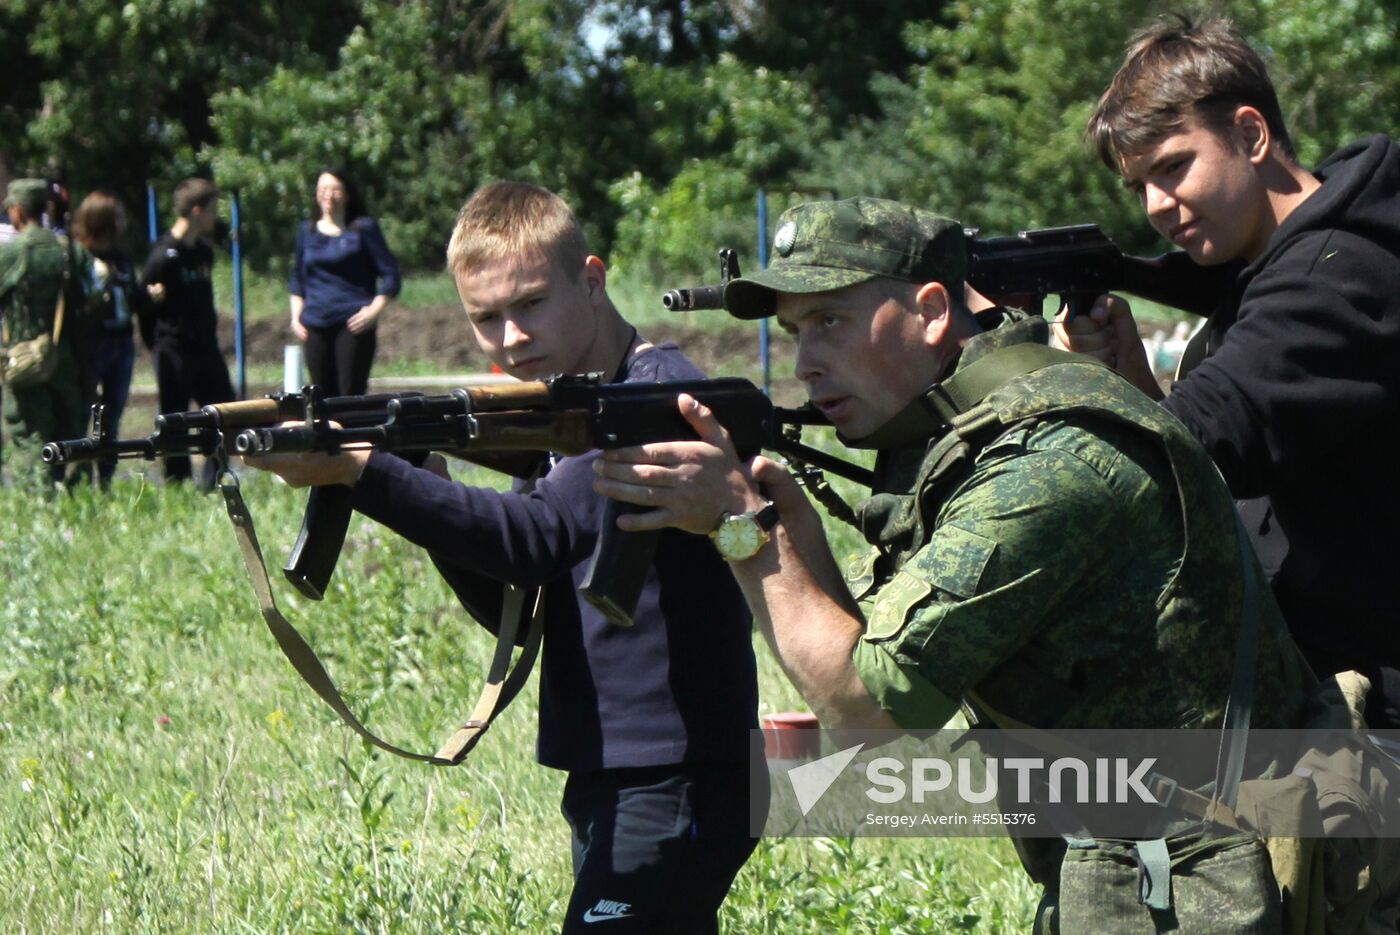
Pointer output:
x,y
1078,263
489,424
566,415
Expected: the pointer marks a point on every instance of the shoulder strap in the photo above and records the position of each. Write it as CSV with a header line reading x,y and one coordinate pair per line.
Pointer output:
x,y
503,681
58,316
63,288
972,384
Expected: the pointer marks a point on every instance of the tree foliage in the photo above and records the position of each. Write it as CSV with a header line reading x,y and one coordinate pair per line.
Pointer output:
x,y
658,119
113,94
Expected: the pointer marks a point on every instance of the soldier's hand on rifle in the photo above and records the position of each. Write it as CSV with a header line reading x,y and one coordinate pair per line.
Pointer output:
x,y
1109,333
313,469
690,485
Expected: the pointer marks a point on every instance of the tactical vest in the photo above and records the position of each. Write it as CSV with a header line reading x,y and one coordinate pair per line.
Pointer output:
x,y
1022,381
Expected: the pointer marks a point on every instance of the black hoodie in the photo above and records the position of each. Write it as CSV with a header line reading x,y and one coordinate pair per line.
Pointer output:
x,y
1298,399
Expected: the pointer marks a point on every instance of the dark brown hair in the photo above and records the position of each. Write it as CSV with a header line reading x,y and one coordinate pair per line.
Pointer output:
x,y
99,219
354,202
194,193
1175,69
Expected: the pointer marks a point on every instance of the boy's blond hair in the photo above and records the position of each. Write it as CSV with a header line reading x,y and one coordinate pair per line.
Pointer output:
x,y
509,219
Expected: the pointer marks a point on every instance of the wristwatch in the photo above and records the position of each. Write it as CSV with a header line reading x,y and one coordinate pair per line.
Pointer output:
x,y
740,536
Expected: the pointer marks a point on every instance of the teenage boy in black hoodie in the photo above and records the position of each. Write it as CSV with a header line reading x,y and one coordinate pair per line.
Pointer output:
x,y
1293,385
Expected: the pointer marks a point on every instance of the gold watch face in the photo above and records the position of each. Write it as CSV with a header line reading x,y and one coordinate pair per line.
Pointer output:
x,y
739,537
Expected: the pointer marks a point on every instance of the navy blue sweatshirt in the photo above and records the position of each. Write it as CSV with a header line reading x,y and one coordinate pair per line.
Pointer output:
x,y
679,686
338,276
1298,399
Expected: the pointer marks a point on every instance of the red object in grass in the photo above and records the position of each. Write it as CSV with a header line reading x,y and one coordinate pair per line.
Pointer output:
x,y
791,735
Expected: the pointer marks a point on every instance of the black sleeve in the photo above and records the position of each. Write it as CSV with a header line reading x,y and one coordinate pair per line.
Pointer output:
x,y
296,279
481,596
1312,359
386,265
157,268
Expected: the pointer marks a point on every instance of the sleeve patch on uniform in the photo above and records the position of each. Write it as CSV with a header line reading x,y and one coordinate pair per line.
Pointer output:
x,y
893,604
955,560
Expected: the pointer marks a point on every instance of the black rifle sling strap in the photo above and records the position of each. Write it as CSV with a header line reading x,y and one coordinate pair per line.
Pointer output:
x,y
521,606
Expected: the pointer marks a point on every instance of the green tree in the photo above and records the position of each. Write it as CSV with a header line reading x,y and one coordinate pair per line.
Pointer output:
x,y
116,94
989,127
747,127
426,100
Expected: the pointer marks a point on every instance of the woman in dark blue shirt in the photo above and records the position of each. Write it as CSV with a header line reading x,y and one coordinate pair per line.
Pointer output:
x,y
343,278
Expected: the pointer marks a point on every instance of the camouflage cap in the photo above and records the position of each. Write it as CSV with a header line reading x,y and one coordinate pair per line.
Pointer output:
x,y
29,194
824,245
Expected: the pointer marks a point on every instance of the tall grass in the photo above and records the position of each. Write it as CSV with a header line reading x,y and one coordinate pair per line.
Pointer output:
x,y
162,769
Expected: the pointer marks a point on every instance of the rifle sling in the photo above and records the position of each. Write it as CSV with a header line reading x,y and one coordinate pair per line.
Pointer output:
x,y
503,682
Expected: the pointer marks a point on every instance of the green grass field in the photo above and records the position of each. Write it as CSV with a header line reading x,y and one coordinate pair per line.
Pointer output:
x,y
163,769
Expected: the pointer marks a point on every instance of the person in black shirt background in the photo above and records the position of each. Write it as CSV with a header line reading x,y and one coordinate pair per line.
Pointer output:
x,y
181,328
1292,383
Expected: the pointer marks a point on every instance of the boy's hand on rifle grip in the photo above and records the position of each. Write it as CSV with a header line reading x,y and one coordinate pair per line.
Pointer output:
x,y
689,485
313,469
1093,335
1108,333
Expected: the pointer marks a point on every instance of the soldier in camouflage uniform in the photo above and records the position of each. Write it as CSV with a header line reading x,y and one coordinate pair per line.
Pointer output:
x,y
1050,548
34,267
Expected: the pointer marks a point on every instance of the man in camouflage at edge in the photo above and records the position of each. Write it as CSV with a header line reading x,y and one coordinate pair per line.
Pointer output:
x,y
32,273
1030,544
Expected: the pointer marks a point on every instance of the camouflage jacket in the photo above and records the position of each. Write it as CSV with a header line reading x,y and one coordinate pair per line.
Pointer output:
x,y
32,267
1034,554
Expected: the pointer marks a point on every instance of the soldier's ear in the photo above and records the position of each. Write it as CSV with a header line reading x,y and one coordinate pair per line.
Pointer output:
x,y
935,307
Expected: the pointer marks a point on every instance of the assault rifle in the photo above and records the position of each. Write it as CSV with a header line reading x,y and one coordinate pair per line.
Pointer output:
x,y
496,425
1078,263
566,415
204,431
